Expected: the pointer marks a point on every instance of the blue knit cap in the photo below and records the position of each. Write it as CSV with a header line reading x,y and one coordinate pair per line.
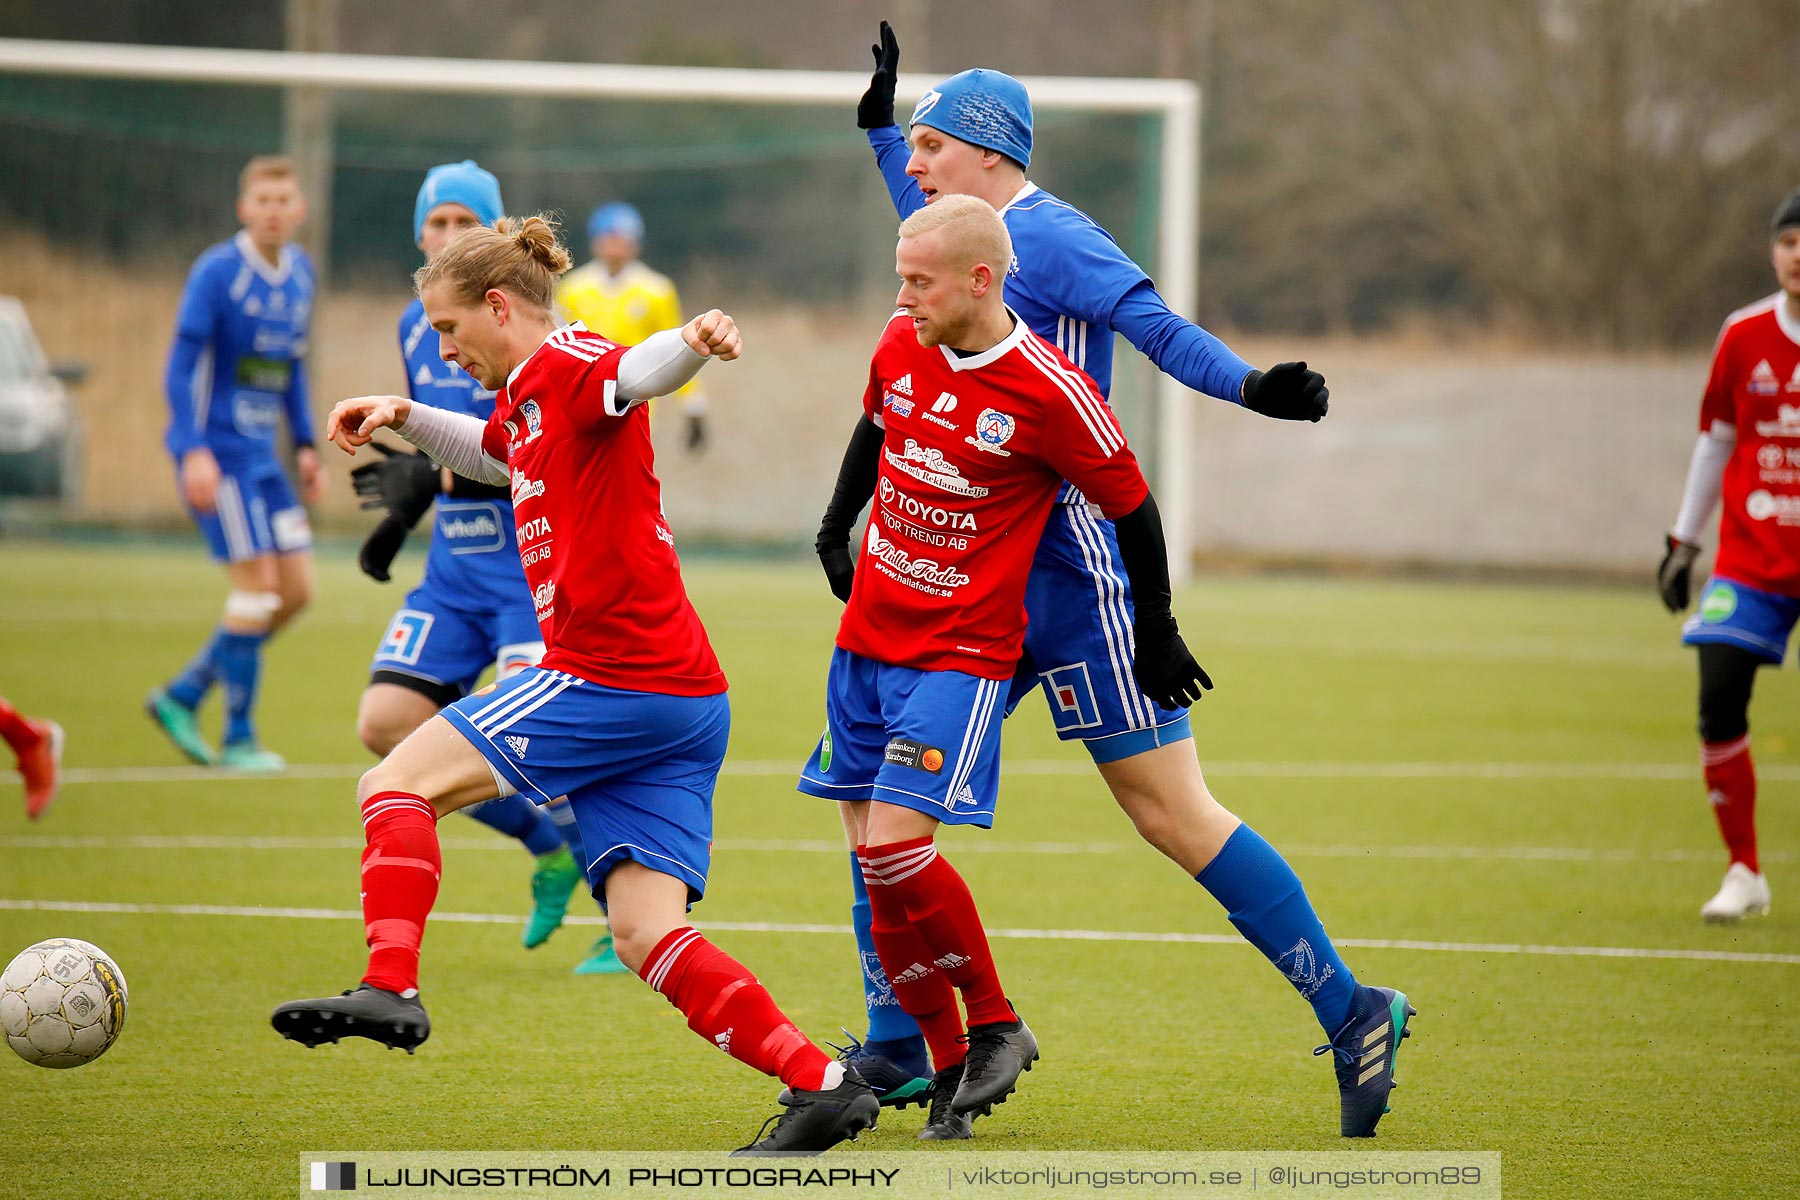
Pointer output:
x,y
461,183
984,108
617,218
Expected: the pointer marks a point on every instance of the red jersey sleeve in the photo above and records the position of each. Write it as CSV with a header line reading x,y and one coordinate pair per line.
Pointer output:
x,y
1716,402
586,369
493,438
1084,443
873,400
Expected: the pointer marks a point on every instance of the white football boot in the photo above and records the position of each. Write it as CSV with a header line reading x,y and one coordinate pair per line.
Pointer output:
x,y
1743,894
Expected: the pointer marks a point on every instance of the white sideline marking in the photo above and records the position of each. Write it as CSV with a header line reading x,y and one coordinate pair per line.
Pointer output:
x,y
1653,772
968,846
1073,935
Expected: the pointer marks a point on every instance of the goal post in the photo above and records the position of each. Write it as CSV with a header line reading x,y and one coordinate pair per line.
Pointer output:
x,y
1176,103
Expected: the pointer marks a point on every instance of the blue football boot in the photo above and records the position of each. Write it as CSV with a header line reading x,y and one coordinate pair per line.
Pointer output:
x,y
1364,1051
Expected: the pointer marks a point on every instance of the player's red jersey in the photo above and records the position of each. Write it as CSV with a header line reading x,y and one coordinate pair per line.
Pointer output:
x,y
598,555
976,450
1755,386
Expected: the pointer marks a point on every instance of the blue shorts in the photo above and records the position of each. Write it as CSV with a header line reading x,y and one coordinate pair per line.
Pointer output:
x,y
1736,614
437,640
1078,645
255,513
638,767
925,740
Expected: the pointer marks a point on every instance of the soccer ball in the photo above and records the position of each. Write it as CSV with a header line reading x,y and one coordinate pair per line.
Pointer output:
x,y
62,1003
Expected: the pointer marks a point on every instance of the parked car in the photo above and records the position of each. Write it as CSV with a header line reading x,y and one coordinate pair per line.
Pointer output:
x,y
40,431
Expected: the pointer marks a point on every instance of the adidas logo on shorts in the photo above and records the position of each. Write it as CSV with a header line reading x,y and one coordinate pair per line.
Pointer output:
x,y
517,745
913,974
723,1040
952,961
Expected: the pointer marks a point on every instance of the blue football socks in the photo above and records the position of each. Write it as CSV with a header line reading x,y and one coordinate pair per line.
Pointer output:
x,y
562,816
1264,899
517,817
240,664
189,688
888,1022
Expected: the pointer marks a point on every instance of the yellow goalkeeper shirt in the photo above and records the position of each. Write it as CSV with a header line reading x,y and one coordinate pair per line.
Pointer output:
x,y
626,308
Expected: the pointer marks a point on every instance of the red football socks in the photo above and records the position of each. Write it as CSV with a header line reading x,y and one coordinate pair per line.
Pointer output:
x,y
400,872
939,906
923,992
725,1004
1731,786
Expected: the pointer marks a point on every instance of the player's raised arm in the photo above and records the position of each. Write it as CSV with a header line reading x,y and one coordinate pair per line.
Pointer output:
x,y
665,361
875,116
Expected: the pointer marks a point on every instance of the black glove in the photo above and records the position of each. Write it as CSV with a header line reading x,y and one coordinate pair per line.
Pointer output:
x,y
403,483
696,433
840,569
1288,392
380,547
1164,668
1675,573
876,108
854,487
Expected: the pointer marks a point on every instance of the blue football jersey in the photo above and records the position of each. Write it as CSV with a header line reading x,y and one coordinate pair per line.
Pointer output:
x,y
238,367
474,552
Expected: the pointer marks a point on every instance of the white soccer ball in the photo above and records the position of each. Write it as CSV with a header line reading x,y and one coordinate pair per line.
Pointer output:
x,y
62,1003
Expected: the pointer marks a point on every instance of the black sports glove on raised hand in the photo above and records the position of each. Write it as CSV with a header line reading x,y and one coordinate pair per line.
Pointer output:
x,y
1288,392
1163,666
876,108
381,546
855,484
1675,574
402,482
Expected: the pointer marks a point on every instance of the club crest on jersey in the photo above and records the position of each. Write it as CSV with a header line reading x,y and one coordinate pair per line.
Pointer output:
x,y
534,419
927,464
993,429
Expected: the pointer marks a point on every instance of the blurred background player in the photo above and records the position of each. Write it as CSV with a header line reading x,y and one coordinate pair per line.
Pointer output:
x,y
1749,450
628,713
617,296
1073,285
472,608
37,746
236,373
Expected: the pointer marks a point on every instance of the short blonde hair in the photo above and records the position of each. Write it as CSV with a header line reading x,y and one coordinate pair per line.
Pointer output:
x,y
267,166
522,257
973,232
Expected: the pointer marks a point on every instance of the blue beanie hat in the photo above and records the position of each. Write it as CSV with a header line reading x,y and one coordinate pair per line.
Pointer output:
x,y
617,218
984,108
461,183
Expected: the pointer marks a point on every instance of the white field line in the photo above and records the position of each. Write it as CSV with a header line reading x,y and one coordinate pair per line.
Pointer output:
x,y
1572,854
1553,771
1076,935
